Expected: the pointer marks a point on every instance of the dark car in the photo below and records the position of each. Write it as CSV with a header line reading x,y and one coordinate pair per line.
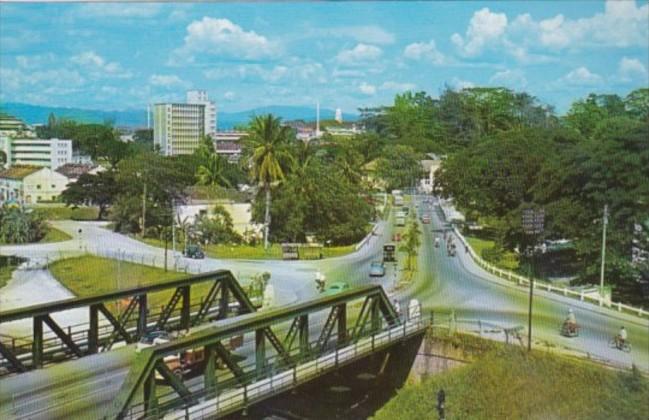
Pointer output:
x,y
194,251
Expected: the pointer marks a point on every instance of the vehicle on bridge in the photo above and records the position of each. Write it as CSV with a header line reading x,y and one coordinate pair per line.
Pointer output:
x,y
194,251
377,269
337,287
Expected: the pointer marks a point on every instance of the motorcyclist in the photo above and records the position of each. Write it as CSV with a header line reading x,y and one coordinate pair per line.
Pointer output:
x,y
571,321
320,281
621,337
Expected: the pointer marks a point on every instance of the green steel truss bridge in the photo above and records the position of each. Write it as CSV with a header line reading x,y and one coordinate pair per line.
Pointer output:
x,y
53,344
357,323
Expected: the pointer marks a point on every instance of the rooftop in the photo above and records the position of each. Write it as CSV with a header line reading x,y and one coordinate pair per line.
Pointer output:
x,y
74,170
19,171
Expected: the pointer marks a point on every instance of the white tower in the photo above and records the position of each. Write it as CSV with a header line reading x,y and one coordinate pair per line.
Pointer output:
x,y
148,116
339,116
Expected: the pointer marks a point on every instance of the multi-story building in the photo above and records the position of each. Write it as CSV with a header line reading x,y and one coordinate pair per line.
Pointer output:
x,y
28,184
49,153
200,97
228,143
11,126
178,128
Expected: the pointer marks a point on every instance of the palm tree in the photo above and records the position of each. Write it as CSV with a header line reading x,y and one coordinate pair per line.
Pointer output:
x,y
267,146
212,172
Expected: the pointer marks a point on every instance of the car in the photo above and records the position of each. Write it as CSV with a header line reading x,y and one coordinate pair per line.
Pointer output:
x,y
377,269
425,220
152,338
337,287
194,251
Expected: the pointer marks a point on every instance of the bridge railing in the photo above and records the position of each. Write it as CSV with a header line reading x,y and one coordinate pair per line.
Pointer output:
x,y
277,382
512,277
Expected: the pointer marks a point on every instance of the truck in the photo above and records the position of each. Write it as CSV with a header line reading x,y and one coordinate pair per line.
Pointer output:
x,y
400,221
398,200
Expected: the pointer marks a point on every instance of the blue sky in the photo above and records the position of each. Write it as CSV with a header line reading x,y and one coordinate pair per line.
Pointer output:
x,y
121,56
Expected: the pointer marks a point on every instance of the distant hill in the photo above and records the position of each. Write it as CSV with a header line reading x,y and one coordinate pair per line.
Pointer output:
x,y
36,114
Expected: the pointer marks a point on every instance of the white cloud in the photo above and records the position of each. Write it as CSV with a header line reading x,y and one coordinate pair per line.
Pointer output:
x,y
630,69
363,33
361,53
119,10
229,96
168,81
509,78
484,28
459,84
424,51
224,38
34,61
19,81
367,89
622,24
397,87
581,77
98,66
294,70
347,73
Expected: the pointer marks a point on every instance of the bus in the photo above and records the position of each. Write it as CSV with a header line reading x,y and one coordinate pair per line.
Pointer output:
x,y
389,252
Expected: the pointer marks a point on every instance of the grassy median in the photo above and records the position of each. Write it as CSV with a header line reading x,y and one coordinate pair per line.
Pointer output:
x,y
89,275
508,383
248,252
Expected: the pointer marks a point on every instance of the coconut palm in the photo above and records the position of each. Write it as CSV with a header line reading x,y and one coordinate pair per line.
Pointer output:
x,y
267,147
213,171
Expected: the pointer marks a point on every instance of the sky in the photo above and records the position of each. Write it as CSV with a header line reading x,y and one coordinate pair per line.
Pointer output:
x,y
122,56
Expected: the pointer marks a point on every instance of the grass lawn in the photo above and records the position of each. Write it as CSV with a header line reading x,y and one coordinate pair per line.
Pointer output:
x,y
507,383
67,213
89,275
55,235
248,252
509,260
52,235
5,274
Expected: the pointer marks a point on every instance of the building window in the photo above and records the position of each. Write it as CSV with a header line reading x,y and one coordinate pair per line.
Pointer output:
x,y
53,186
38,187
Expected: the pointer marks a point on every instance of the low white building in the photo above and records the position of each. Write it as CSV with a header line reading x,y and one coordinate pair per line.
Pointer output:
x,y
31,184
241,214
228,143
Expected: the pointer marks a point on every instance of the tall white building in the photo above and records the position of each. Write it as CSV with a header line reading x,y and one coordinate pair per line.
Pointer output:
x,y
49,153
339,116
200,97
178,128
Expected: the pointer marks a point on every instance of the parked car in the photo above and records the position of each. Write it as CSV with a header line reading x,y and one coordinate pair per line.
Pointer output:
x,y
194,251
337,287
377,269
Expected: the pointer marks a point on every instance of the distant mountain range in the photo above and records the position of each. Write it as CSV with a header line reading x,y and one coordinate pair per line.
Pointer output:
x,y
36,114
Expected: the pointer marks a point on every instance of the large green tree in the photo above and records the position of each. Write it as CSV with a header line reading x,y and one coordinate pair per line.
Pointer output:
x,y
267,148
99,190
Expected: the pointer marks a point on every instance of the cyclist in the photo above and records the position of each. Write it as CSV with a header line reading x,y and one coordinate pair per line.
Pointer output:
x,y
621,337
571,321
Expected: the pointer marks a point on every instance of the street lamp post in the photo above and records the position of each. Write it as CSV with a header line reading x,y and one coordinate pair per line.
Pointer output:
x,y
533,223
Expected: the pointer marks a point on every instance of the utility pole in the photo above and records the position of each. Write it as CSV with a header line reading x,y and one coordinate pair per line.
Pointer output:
x,y
143,209
533,223
173,227
601,274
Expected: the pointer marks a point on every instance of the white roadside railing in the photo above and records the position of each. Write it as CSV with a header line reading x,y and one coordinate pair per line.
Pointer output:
x,y
583,295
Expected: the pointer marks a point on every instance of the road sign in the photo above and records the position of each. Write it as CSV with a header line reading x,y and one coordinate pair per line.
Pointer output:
x,y
533,221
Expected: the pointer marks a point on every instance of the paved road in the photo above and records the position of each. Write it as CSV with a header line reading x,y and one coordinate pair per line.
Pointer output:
x,y
443,283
